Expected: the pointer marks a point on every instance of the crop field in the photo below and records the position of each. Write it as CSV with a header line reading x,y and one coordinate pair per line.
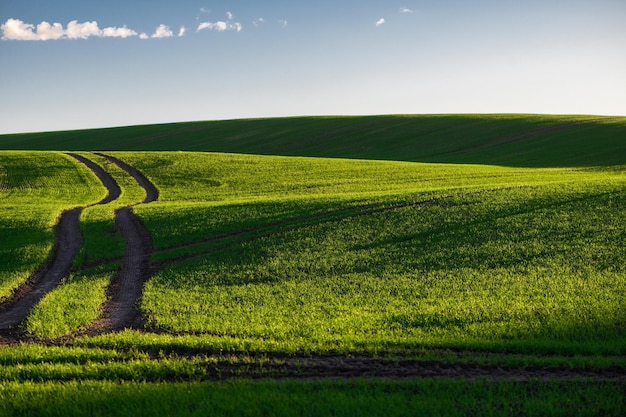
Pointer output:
x,y
389,265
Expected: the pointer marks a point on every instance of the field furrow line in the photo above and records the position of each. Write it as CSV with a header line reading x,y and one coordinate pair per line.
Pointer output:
x,y
124,292
518,137
66,246
289,225
350,366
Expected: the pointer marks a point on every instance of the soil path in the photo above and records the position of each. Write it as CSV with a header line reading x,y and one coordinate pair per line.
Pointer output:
x,y
66,246
114,190
346,367
152,193
124,292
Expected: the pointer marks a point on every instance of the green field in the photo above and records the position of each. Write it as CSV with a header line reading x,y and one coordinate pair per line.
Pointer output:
x,y
480,243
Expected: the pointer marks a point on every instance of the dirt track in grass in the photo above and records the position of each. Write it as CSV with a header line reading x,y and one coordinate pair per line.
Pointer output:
x,y
67,240
346,367
123,294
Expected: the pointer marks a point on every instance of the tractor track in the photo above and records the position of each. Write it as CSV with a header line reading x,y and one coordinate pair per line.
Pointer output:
x,y
152,193
124,292
67,242
285,226
120,310
348,367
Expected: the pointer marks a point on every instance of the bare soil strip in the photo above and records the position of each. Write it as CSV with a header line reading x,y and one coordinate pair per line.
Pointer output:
x,y
114,191
152,193
123,294
26,296
120,309
346,367
66,246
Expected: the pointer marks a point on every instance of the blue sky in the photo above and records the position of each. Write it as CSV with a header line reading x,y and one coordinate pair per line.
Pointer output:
x,y
112,63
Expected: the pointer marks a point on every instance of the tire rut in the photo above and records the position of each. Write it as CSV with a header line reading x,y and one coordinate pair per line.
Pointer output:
x,y
152,193
67,243
123,294
348,367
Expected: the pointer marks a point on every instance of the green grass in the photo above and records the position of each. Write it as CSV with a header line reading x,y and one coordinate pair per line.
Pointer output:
x,y
36,187
100,239
425,138
71,306
534,265
39,380
341,254
314,398
502,244
77,301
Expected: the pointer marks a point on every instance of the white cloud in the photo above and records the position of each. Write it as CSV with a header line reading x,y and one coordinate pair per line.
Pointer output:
x,y
258,22
77,30
380,22
283,23
122,32
181,31
220,26
163,31
144,36
45,31
211,26
203,10
15,29
405,10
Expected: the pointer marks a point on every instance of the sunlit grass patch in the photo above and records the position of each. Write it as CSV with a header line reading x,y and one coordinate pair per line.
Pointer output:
x,y
508,266
37,186
101,241
72,305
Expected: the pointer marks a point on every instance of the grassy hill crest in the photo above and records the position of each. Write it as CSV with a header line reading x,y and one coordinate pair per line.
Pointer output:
x,y
511,140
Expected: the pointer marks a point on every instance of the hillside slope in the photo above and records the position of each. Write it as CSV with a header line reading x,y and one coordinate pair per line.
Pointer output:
x,y
513,140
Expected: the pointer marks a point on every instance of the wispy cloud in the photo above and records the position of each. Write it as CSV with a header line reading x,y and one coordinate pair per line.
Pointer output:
x,y
282,23
181,31
163,31
380,22
258,22
220,25
15,29
405,10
